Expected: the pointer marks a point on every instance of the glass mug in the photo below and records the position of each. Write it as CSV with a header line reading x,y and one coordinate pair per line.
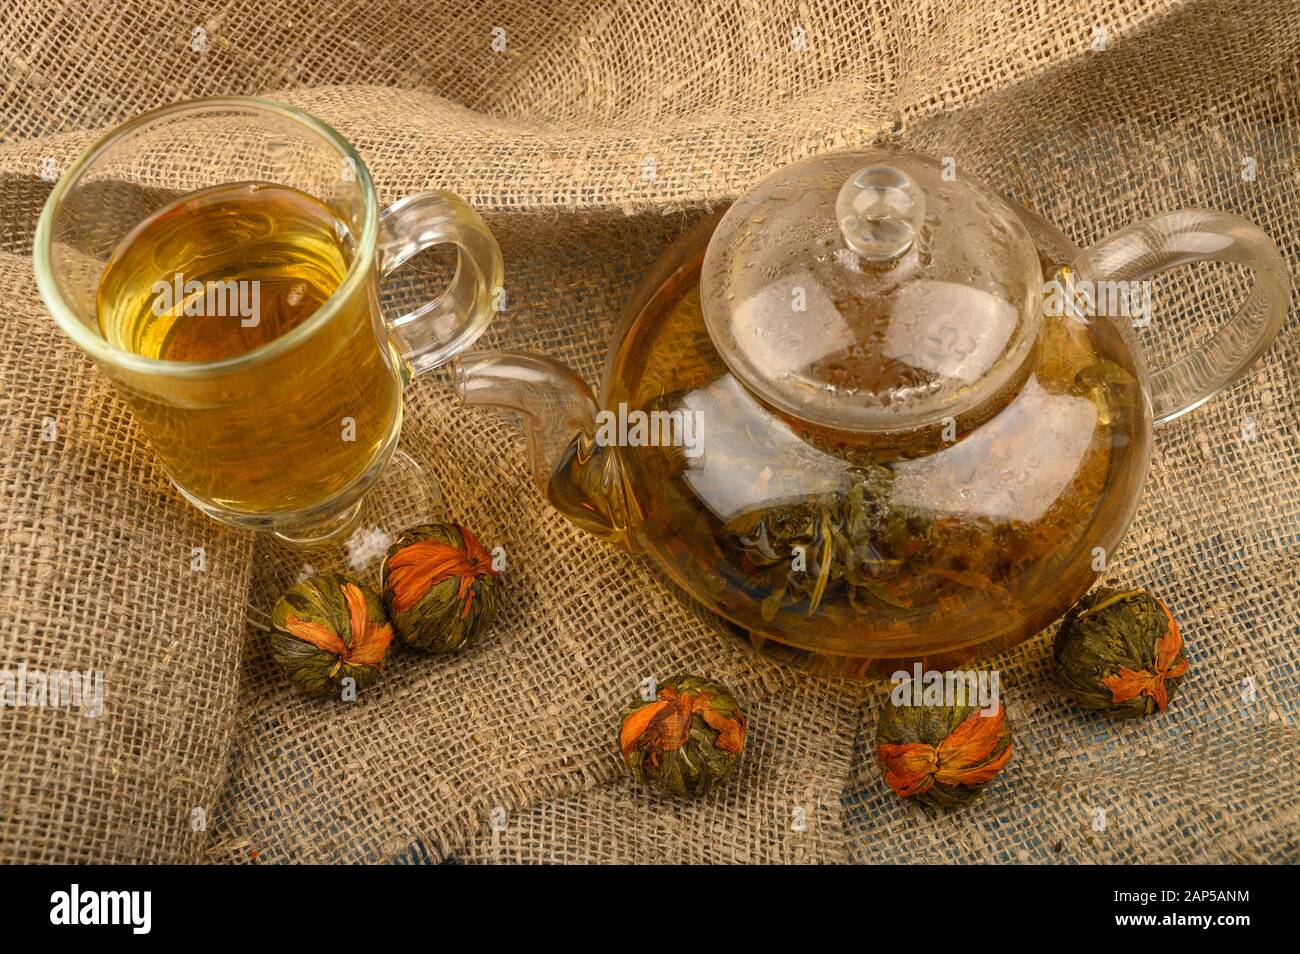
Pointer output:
x,y
287,436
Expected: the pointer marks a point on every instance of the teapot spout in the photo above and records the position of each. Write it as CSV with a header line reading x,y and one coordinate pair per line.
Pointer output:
x,y
583,480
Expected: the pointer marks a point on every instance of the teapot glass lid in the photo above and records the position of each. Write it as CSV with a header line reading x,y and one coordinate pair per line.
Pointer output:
x,y
872,291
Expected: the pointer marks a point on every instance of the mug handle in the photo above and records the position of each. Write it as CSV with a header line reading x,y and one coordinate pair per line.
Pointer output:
x,y
1164,241
440,329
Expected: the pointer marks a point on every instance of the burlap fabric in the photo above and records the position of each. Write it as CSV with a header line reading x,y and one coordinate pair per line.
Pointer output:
x,y
1095,113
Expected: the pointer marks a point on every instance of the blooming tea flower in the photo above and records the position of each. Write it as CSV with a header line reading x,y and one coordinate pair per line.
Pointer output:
x,y
684,741
941,755
1120,652
440,587
327,629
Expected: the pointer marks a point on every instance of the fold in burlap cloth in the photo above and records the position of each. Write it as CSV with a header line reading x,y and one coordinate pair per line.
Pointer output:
x,y
1097,114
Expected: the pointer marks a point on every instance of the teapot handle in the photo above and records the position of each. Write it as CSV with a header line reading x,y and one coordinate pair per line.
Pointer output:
x,y
1140,251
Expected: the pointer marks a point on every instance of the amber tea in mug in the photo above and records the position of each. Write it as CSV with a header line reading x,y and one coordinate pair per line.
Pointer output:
x,y
218,273
221,260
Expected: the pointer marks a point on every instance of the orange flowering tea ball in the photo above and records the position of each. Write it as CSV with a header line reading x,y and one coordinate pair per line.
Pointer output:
x,y
440,587
684,741
941,755
328,629
1120,652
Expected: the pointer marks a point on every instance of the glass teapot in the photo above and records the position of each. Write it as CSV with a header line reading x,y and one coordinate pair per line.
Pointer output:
x,y
876,413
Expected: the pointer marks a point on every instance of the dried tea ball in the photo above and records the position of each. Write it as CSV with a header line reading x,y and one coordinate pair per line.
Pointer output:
x,y
941,755
327,629
686,740
439,586
1120,652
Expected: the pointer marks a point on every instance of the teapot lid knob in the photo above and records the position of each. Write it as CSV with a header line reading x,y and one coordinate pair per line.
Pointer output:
x,y
880,209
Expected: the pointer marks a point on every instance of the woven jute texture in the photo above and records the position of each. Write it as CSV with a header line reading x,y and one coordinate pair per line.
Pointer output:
x,y
590,136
